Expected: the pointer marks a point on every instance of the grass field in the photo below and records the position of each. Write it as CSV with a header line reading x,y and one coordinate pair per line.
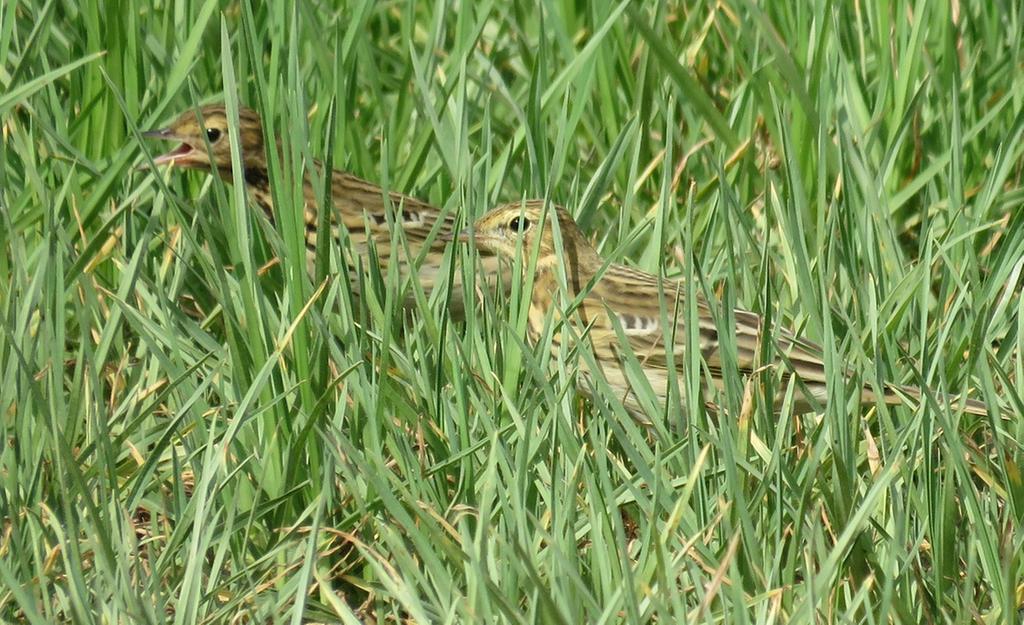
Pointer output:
x,y
194,431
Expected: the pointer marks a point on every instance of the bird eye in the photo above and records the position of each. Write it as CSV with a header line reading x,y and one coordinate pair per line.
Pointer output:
x,y
519,224
213,134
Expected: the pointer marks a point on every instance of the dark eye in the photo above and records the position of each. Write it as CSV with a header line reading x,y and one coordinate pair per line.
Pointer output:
x,y
212,134
519,224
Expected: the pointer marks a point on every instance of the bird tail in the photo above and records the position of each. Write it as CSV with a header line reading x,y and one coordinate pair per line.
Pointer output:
x,y
896,394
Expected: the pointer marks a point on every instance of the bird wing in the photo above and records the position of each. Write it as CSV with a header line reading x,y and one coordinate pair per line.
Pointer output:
x,y
358,202
634,304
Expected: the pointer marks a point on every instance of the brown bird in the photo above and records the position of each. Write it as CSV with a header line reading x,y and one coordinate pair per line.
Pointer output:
x,y
356,202
611,295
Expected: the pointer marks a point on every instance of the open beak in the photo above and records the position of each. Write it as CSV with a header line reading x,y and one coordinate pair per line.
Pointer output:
x,y
182,152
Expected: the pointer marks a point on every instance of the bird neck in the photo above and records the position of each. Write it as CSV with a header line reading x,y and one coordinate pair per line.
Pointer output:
x,y
257,182
257,179
580,260
578,263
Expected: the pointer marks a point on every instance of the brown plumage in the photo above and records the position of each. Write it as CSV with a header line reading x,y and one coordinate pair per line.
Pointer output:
x,y
613,295
356,202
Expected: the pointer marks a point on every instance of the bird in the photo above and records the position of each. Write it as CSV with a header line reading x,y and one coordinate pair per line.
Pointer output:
x,y
357,205
614,298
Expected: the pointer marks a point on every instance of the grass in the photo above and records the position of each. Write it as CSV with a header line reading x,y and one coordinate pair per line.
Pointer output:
x,y
194,433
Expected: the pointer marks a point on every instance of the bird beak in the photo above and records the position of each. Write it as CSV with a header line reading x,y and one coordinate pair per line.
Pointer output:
x,y
159,133
462,236
182,152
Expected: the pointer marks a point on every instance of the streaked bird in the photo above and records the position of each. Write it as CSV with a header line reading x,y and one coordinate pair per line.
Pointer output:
x,y
610,295
358,205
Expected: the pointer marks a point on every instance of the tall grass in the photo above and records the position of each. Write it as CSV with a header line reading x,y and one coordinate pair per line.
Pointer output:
x,y
194,430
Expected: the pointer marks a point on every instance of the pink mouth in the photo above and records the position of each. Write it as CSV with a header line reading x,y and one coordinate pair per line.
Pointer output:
x,y
182,151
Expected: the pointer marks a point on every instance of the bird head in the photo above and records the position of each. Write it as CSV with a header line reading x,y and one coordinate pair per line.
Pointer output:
x,y
509,228
193,132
